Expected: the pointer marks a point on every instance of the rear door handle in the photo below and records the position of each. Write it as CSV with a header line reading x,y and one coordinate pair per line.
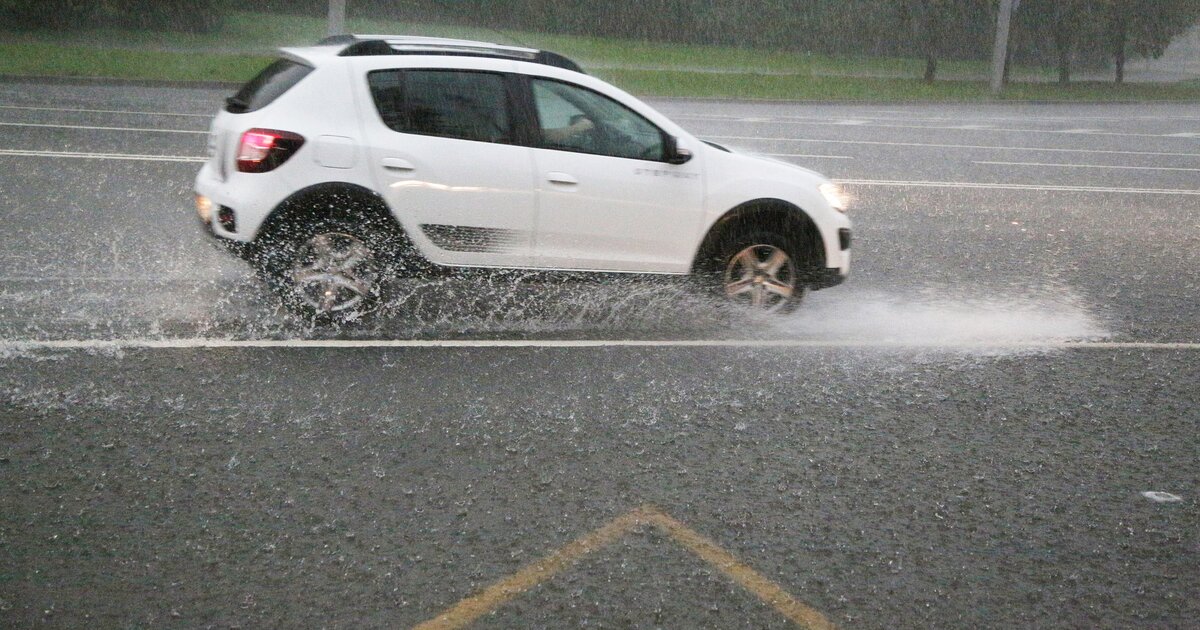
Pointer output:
x,y
398,165
557,177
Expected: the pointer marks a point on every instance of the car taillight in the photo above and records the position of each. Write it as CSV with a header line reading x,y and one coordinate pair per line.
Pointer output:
x,y
262,150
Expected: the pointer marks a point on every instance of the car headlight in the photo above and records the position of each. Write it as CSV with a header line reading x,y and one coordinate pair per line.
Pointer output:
x,y
835,196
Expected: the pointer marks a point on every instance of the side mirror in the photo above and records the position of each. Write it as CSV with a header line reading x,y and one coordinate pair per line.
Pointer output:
x,y
672,152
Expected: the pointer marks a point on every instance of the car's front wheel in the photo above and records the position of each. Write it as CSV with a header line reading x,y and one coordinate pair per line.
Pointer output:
x,y
759,271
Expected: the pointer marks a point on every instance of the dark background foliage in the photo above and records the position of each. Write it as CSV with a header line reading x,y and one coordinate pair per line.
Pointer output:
x,y
1064,33
196,16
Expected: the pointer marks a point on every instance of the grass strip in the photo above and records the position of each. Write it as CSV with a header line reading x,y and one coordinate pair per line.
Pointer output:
x,y
647,68
59,61
824,88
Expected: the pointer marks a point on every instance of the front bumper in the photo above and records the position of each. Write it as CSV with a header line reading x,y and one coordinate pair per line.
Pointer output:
x,y
829,278
833,276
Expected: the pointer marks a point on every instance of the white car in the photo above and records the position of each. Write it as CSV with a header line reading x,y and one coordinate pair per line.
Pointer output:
x,y
368,157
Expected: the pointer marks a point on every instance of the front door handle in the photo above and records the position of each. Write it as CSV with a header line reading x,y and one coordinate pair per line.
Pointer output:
x,y
398,165
557,177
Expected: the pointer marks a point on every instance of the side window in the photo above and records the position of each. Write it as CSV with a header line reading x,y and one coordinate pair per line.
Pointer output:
x,y
447,103
572,118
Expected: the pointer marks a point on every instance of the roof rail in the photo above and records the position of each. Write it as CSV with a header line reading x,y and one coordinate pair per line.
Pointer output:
x,y
371,45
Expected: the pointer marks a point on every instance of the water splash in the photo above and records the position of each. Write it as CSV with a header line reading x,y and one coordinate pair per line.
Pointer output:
x,y
233,304
946,317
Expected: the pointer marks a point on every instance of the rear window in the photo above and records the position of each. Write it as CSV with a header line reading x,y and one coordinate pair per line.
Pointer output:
x,y
273,81
449,103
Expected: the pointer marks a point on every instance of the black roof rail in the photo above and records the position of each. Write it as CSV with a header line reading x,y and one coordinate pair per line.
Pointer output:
x,y
548,58
367,48
373,45
337,39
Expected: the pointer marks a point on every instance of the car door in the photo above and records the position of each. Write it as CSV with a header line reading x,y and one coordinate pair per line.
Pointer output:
x,y
444,151
607,200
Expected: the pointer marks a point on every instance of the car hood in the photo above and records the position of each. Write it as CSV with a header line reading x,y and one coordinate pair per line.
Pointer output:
x,y
750,158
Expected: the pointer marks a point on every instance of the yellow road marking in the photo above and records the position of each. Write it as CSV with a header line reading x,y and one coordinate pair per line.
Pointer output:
x,y
468,610
740,572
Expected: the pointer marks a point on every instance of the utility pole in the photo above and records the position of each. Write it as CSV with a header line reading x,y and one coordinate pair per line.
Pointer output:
x,y
337,17
1000,50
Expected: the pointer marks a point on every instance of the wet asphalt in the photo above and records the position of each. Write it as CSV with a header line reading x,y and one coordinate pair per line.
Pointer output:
x,y
965,441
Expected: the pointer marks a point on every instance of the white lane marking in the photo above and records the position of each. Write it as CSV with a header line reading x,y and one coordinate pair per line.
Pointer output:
x,y
1034,187
867,123
102,111
1135,168
100,128
899,116
934,145
103,156
203,343
130,279
809,155
1188,134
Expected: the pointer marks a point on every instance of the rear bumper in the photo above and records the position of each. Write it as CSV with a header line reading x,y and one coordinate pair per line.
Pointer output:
x,y
237,248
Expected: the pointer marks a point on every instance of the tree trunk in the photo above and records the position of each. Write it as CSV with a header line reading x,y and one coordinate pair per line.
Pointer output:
x,y
932,36
1120,35
1064,60
1062,44
1008,63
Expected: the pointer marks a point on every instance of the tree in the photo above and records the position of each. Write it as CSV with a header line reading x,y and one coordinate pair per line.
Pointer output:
x,y
1064,23
1144,28
171,15
924,19
959,29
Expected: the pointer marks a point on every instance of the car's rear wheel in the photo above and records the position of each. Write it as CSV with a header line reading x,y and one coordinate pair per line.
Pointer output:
x,y
329,271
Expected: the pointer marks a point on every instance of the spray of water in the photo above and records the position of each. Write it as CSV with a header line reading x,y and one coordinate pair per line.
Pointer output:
x,y
934,318
235,305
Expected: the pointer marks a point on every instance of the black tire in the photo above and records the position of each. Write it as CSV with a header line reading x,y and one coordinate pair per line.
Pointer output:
x,y
759,270
326,270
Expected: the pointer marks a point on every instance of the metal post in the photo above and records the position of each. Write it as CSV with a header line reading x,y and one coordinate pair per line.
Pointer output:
x,y
337,17
1000,50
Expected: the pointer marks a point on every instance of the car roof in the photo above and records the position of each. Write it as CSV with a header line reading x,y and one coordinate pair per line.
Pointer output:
x,y
373,45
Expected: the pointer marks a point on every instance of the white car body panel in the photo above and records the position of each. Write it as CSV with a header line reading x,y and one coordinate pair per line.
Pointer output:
x,y
621,215
429,180
748,177
255,195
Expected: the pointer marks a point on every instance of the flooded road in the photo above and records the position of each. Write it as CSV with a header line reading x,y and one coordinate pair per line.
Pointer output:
x,y
961,435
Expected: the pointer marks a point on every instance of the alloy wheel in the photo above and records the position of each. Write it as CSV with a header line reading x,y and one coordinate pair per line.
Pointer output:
x,y
761,276
333,273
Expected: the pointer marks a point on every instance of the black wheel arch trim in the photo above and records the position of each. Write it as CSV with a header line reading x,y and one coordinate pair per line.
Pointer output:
x,y
334,200
301,203
768,213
